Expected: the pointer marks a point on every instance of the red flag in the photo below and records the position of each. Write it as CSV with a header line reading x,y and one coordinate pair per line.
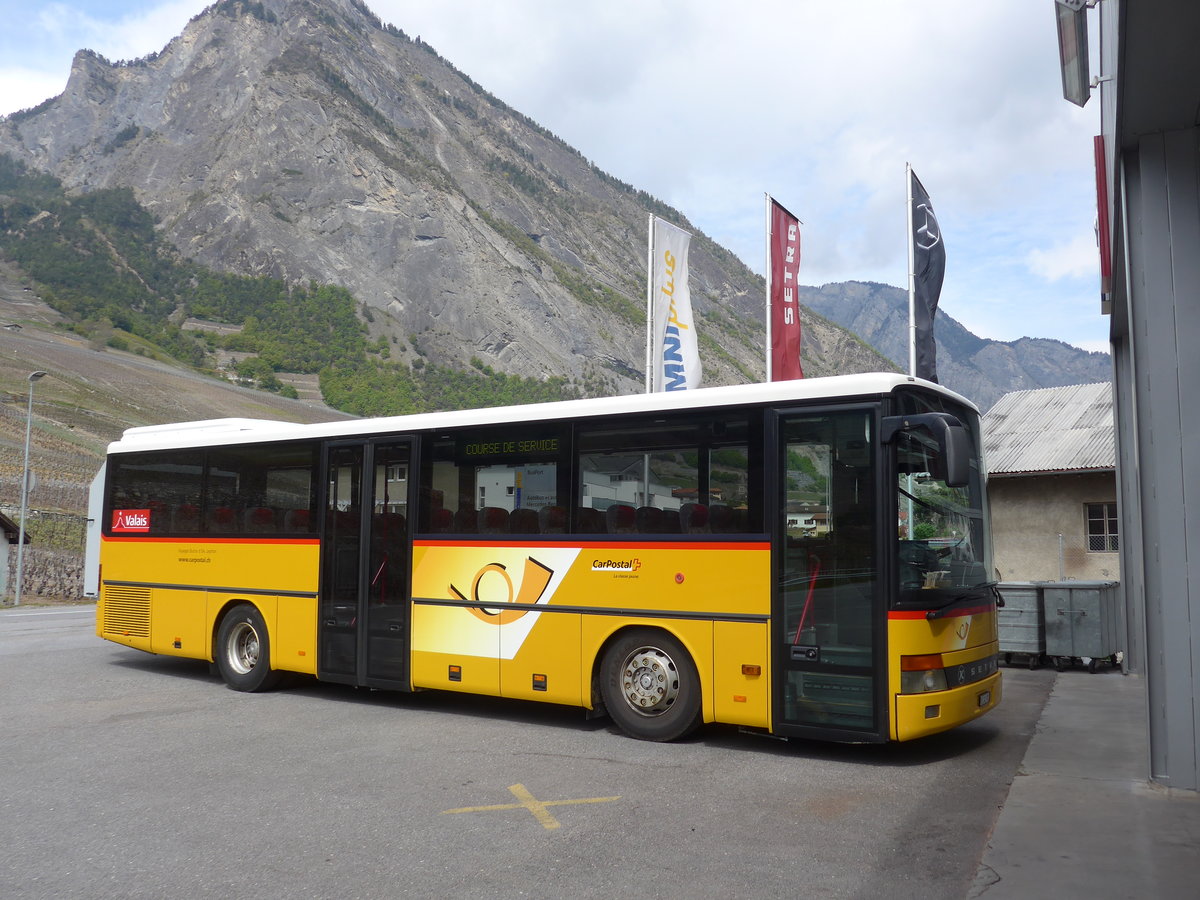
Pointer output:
x,y
783,302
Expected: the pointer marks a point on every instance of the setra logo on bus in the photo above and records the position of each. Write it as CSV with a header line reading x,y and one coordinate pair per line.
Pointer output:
x,y
131,520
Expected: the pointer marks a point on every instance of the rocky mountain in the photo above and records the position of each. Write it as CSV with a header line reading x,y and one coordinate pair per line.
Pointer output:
x,y
306,140
976,367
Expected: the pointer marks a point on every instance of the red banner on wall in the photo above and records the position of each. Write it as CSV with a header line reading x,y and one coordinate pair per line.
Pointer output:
x,y
1103,234
783,303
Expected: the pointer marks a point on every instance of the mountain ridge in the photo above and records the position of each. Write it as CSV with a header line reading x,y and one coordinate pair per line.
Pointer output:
x,y
305,140
308,140
979,368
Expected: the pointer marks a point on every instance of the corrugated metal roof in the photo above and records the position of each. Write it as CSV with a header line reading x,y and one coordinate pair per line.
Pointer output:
x,y
1061,429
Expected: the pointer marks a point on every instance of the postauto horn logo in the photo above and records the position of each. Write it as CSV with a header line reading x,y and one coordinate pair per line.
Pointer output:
x,y
616,565
493,584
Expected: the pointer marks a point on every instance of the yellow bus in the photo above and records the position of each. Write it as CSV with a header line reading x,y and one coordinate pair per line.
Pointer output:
x,y
807,558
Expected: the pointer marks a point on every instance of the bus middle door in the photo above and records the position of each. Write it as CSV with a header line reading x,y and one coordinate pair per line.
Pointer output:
x,y
364,609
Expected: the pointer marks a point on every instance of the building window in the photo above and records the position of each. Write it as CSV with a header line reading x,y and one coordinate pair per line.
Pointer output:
x,y
1102,527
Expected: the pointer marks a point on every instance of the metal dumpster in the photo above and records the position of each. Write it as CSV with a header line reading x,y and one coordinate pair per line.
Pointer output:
x,y
1081,621
1022,626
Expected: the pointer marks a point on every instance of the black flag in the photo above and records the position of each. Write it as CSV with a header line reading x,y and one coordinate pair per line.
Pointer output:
x,y
929,267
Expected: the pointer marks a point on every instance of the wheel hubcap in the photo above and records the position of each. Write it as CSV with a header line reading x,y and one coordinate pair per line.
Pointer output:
x,y
649,681
243,649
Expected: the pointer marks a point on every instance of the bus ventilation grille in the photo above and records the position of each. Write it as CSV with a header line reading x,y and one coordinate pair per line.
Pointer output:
x,y
127,611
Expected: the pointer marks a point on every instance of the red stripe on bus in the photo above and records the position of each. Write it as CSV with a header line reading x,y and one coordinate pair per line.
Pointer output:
x,y
141,539
599,545
903,614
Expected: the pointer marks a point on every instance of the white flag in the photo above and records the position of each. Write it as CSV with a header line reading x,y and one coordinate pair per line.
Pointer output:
x,y
676,355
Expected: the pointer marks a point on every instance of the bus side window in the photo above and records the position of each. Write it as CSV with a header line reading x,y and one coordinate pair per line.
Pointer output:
x,y
655,476
829,562
260,489
486,482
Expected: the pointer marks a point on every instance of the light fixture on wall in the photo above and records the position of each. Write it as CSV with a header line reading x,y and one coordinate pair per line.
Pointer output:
x,y
1073,48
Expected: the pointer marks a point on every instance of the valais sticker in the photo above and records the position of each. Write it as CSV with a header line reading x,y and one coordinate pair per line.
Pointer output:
x,y
131,520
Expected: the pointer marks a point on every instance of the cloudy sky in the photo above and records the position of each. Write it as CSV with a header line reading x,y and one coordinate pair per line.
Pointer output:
x,y
707,104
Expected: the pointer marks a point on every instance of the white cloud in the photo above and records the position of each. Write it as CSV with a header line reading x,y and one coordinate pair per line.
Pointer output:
x,y
1074,258
146,31
24,87
37,48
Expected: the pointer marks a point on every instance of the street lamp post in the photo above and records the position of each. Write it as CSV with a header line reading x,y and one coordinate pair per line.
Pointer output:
x,y
33,376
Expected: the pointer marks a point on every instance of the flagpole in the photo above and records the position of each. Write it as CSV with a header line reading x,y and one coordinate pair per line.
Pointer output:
x,y
912,332
767,198
650,303
912,280
649,345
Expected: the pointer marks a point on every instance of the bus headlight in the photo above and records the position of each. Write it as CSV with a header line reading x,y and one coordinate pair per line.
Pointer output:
x,y
922,674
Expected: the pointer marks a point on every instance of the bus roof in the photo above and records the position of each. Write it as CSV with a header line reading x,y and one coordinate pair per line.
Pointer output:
x,y
217,432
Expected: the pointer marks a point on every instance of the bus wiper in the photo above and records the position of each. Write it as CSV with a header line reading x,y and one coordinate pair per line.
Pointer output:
x,y
959,600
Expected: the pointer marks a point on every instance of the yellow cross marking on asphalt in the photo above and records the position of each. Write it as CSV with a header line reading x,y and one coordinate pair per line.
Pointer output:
x,y
531,803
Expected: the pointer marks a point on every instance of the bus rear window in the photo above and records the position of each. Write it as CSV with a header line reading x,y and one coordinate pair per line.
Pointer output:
x,y
267,489
156,493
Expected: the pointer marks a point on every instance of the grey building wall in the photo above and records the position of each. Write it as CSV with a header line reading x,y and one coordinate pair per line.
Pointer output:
x,y
1156,342
1030,513
1148,96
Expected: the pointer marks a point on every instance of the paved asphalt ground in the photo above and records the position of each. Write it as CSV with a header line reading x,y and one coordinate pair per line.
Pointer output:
x,y
128,775
1083,820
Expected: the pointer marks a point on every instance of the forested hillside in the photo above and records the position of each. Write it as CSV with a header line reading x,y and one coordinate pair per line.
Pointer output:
x,y
99,262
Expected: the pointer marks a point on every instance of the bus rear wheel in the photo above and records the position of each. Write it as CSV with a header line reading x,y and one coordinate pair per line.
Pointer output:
x,y
244,651
650,686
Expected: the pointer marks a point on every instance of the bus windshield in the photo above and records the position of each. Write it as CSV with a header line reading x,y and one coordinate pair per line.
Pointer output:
x,y
942,550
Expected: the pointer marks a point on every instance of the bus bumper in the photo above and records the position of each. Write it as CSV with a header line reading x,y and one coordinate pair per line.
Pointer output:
x,y
920,714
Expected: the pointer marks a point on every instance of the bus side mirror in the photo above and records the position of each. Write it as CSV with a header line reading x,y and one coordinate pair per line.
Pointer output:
x,y
957,453
953,442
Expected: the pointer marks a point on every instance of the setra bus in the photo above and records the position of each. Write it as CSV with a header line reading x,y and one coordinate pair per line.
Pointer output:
x,y
807,558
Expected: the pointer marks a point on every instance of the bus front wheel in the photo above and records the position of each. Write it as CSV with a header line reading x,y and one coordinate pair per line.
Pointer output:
x,y
244,651
650,686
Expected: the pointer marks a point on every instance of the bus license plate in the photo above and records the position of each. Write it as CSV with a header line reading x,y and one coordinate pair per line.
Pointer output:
x,y
985,698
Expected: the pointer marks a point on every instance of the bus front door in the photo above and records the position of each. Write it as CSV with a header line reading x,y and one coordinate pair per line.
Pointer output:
x,y
363,611
828,611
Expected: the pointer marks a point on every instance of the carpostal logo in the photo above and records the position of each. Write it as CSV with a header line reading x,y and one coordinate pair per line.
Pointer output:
x,y
616,565
131,520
